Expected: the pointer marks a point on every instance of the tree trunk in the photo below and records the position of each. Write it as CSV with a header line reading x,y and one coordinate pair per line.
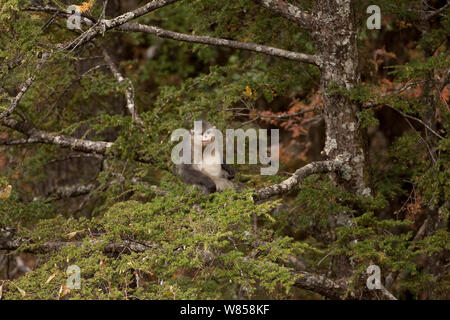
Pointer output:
x,y
335,36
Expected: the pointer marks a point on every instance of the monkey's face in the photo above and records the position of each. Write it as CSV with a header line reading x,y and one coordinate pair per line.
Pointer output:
x,y
208,136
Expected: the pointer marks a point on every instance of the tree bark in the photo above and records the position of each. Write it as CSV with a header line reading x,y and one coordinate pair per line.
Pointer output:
x,y
334,32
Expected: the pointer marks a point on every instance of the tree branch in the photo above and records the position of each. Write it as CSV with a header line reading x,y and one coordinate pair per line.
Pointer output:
x,y
129,92
167,34
320,284
72,191
39,136
307,280
105,25
298,177
23,88
288,11
431,14
387,294
162,33
407,116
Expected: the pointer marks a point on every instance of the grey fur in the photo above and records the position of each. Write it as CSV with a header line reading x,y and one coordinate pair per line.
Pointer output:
x,y
208,183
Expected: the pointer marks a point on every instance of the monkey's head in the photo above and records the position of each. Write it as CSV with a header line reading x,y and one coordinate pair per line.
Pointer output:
x,y
207,132
208,136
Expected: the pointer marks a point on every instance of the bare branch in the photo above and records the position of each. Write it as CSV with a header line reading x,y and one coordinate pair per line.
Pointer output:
x,y
105,25
16,99
387,294
320,284
298,177
38,136
129,93
407,116
277,116
72,191
288,11
23,89
162,33
434,13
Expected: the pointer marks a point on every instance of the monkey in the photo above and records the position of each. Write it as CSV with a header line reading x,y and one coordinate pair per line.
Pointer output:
x,y
212,164
211,174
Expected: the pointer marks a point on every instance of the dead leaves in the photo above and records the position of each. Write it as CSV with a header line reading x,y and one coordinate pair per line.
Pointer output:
x,y
85,6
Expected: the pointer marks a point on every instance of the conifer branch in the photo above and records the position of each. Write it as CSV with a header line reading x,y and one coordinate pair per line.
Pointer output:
x,y
220,42
305,280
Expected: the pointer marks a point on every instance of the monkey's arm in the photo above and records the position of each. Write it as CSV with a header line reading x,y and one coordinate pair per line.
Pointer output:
x,y
190,175
229,170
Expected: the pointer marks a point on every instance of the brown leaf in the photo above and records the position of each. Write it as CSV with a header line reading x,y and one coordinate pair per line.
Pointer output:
x,y
50,278
72,234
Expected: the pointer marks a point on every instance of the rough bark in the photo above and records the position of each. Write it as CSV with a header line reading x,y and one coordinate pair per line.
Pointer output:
x,y
72,191
334,32
162,33
320,284
297,177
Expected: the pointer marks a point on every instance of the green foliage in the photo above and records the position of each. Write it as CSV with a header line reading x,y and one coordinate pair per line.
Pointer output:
x,y
419,68
14,212
195,245
206,246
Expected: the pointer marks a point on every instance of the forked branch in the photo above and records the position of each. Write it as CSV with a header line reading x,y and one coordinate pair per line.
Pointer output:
x,y
298,177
